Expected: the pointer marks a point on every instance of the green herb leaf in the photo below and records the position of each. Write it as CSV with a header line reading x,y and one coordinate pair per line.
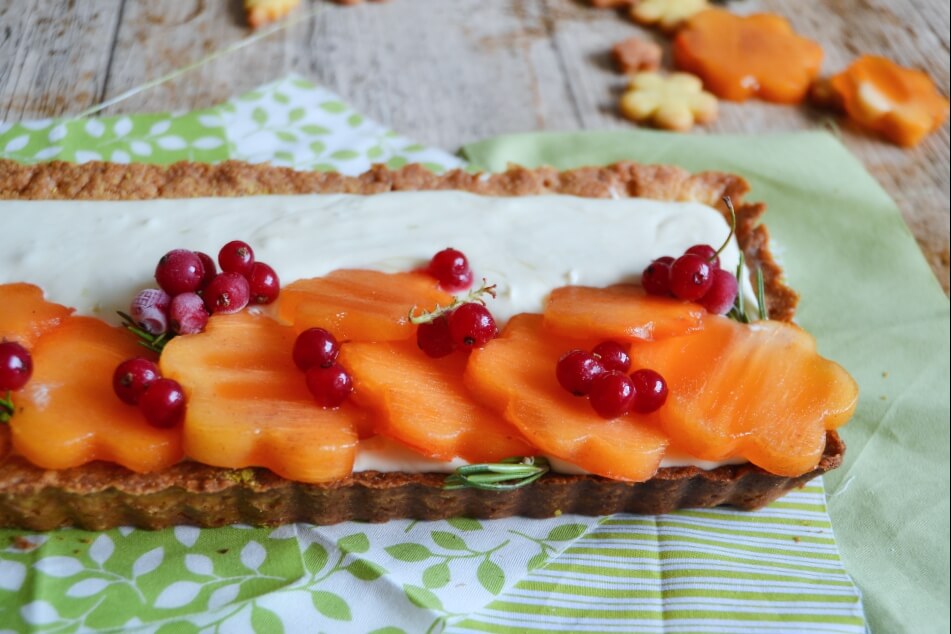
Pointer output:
x,y
761,295
506,475
155,343
6,407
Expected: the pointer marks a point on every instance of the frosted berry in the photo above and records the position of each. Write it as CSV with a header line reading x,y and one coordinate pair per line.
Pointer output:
x,y
236,257
576,370
210,269
330,386
163,404
16,366
708,253
187,314
613,356
612,394
132,378
722,294
265,287
690,277
472,325
179,271
149,310
451,268
651,391
315,348
226,294
434,338
656,277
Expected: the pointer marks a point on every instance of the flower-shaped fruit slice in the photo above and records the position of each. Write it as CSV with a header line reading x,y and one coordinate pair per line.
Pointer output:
x,y
667,14
738,57
672,102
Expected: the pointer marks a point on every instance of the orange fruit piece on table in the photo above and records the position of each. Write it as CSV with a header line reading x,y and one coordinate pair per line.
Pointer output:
x,y
359,305
624,312
758,391
423,403
248,404
68,415
901,104
515,376
25,315
739,57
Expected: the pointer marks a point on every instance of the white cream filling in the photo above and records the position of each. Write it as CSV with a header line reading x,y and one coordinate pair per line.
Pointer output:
x,y
96,255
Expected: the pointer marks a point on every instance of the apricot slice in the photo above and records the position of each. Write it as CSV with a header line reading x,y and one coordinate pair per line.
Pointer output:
x,y
25,315
423,403
248,404
624,312
68,414
515,376
358,305
758,391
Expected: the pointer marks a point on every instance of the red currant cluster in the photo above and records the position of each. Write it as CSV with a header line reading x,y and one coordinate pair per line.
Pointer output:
x,y
16,366
139,382
315,353
695,276
451,268
602,376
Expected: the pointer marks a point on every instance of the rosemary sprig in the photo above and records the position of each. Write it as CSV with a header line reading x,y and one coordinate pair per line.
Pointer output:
x,y
6,407
761,295
738,312
506,475
155,343
476,295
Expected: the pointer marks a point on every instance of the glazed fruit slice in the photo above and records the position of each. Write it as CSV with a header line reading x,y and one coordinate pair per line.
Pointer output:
x,y
25,315
248,404
423,403
623,312
515,375
358,305
68,414
760,392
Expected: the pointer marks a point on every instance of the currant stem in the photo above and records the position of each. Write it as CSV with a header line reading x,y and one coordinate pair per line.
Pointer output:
x,y
729,206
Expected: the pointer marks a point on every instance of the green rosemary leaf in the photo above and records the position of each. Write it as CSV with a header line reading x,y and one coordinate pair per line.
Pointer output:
x,y
6,407
761,295
505,475
155,343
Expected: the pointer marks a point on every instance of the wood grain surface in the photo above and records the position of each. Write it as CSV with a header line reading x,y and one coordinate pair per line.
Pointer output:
x,y
449,72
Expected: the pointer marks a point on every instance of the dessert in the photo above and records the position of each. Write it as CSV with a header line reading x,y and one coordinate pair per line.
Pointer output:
x,y
671,102
241,369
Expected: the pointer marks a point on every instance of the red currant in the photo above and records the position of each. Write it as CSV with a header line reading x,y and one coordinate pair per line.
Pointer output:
x,y
690,277
226,294
451,268
16,366
187,314
265,287
612,394
651,390
434,338
149,309
656,277
210,269
163,403
708,253
179,271
722,294
330,386
576,370
132,378
236,257
315,348
472,325
613,356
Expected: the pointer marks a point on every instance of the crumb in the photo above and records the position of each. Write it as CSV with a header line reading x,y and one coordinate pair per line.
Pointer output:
x,y
884,375
22,543
557,512
612,4
222,551
635,54
883,398
797,539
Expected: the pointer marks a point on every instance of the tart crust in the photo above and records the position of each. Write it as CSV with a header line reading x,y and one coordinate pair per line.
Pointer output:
x,y
99,495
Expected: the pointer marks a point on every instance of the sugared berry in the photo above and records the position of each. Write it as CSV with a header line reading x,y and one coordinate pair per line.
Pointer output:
x,y
330,386
613,355
472,325
576,370
434,338
16,366
315,348
236,257
132,378
149,309
163,403
226,294
265,287
722,294
708,253
656,277
187,314
210,269
690,277
179,271
651,390
612,394
451,268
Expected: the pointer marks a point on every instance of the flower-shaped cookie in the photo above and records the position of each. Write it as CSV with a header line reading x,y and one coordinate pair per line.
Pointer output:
x,y
261,12
671,102
634,55
668,14
738,57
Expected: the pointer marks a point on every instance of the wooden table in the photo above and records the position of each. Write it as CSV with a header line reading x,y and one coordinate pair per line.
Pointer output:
x,y
452,71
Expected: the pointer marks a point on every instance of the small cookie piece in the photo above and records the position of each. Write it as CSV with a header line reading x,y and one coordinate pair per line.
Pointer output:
x,y
823,95
667,14
671,102
261,12
634,55
611,4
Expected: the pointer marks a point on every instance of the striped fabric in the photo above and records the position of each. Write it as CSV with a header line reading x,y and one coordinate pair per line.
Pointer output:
x,y
720,570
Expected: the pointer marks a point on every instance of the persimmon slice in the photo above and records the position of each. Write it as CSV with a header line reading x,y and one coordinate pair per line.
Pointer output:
x,y
25,315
